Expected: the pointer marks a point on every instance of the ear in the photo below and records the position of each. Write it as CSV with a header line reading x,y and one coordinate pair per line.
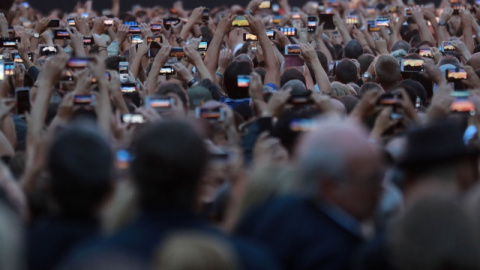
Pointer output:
x,y
400,78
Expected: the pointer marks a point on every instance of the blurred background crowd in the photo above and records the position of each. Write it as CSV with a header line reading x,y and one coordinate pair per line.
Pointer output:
x,y
261,135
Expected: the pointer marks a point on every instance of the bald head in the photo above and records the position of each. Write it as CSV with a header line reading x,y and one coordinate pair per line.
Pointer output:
x,y
336,156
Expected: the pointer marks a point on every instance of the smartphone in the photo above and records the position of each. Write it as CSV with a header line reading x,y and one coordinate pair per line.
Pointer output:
x,y
392,9
243,81
22,97
427,53
253,46
372,26
78,62
382,22
134,29
407,12
389,99
240,21
370,10
303,124
216,114
130,23
168,22
447,46
328,20
123,71
270,34
167,70
265,4
276,19
300,97
288,31
276,7
133,118
312,24
177,52
293,49
8,69
160,104
48,50
71,22
352,19
249,37
462,103
455,74
203,46
205,14
123,158
88,41
54,23
456,8
411,65
296,16
84,100
61,34
128,88
137,39
156,27
9,42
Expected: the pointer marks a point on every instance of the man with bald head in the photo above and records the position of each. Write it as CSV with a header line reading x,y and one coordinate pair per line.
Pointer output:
x,y
340,173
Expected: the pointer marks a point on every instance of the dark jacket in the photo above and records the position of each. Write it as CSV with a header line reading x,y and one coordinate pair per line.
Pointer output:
x,y
142,237
300,234
49,240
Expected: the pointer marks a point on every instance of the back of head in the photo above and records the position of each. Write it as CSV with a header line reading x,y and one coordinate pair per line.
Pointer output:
x,y
230,79
353,49
346,72
369,86
435,234
80,163
449,60
387,70
296,85
340,89
170,158
365,60
291,74
401,45
193,251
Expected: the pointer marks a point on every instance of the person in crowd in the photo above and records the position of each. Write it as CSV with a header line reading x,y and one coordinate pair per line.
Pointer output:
x,y
289,135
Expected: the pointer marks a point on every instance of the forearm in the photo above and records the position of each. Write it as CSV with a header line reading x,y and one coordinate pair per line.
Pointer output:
x,y
213,52
271,60
120,103
321,77
323,48
135,66
39,109
186,30
8,129
468,38
345,35
442,35
425,32
116,8
105,112
153,77
202,70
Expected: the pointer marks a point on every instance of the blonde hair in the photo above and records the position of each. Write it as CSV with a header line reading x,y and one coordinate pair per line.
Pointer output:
x,y
194,251
340,89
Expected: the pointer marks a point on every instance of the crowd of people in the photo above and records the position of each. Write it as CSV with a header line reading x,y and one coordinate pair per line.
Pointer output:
x,y
333,135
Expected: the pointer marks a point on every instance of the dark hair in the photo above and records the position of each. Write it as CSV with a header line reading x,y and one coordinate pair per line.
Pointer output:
x,y
112,62
80,163
283,130
170,158
346,71
214,88
262,72
365,61
401,45
353,49
291,74
230,79
350,102
476,49
173,88
369,86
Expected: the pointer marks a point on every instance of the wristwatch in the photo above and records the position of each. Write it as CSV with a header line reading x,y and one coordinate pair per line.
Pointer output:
x,y
36,35
441,23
